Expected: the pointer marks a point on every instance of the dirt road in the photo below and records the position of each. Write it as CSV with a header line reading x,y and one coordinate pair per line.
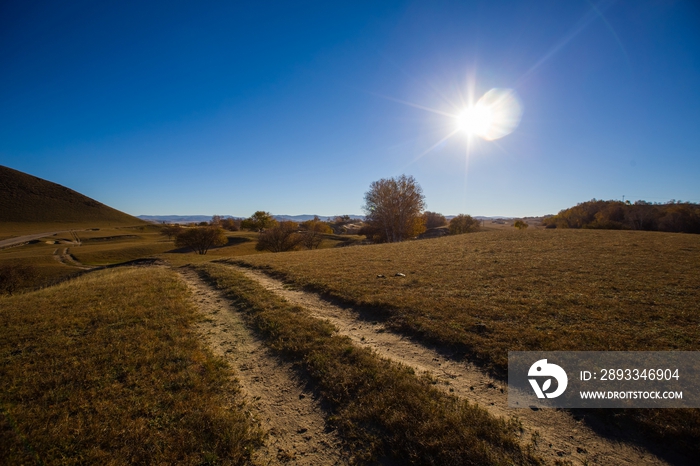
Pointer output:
x,y
26,238
277,398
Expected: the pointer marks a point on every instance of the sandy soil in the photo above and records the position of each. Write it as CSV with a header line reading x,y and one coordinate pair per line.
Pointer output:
x,y
561,437
277,398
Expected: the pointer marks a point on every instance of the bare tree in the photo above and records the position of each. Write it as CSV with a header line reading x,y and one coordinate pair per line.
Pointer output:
x,y
201,239
284,237
393,208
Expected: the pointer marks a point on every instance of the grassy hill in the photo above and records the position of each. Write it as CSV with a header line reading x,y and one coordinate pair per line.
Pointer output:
x,y
30,204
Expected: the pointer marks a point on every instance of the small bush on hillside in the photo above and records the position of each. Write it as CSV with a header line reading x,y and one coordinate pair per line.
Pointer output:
x,y
14,277
463,224
282,238
201,239
520,225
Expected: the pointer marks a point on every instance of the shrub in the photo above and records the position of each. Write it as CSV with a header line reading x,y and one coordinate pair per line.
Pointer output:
x,y
15,276
201,239
170,231
282,238
434,220
314,231
463,224
520,225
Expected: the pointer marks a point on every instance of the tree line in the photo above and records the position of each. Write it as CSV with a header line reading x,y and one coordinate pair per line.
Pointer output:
x,y
394,208
673,216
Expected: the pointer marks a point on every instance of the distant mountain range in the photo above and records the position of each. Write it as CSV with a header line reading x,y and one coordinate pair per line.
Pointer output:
x,y
207,218
294,218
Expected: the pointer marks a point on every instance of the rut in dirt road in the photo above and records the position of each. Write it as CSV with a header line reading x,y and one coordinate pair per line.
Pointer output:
x,y
560,436
66,258
277,398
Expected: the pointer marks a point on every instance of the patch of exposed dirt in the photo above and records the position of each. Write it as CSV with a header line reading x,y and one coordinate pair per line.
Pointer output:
x,y
560,437
277,398
66,258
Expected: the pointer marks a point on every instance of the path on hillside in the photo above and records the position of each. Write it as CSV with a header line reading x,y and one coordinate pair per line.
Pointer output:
x,y
26,238
63,256
276,397
561,437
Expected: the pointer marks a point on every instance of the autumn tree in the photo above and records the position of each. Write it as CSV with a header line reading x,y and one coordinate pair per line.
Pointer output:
x,y
281,238
393,209
259,221
434,220
672,216
313,232
170,231
463,224
520,225
201,239
229,224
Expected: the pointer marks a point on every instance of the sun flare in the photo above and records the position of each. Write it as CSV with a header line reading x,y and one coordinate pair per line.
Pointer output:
x,y
496,114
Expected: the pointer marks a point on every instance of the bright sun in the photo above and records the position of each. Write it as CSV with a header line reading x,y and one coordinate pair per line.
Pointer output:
x,y
496,114
476,120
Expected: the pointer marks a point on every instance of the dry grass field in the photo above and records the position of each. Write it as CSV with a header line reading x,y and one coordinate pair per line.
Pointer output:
x,y
487,293
108,369
498,291
476,295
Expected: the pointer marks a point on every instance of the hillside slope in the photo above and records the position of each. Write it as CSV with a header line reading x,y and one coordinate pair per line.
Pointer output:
x,y
26,199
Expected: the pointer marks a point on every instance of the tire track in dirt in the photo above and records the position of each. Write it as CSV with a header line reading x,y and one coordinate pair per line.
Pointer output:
x,y
560,437
66,258
277,398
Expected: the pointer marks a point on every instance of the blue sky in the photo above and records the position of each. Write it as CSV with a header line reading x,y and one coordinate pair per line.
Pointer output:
x,y
296,107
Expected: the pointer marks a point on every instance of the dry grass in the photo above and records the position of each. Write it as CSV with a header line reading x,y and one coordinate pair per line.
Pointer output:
x,y
487,293
107,369
99,247
40,257
111,253
379,407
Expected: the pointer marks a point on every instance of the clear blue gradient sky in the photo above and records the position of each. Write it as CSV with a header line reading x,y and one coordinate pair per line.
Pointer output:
x,y
296,107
